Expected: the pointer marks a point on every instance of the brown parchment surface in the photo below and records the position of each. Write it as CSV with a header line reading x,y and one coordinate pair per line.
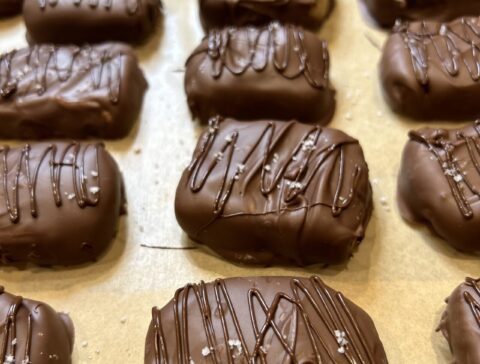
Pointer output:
x,y
400,274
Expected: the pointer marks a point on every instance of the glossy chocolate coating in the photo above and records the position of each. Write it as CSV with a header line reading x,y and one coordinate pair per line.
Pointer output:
x,y
32,332
439,184
221,13
76,92
386,12
10,7
90,21
272,72
276,192
59,203
460,322
262,320
432,70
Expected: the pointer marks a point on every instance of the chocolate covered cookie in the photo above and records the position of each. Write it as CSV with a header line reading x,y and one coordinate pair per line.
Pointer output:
x,y
431,70
90,21
60,203
33,333
52,91
262,319
275,192
221,13
278,72
461,322
386,12
439,184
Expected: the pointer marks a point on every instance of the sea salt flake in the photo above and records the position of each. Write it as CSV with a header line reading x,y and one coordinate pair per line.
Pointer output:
x,y
458,178
94,189
206,351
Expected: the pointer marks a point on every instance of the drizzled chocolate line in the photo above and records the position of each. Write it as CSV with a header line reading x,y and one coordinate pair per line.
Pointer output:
x,y
331,309
305,153
261,52
444,44
71,157
131,6
473,302
8,345
44,59
443,150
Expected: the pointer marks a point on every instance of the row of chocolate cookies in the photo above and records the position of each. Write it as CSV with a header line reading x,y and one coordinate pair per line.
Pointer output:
x,y
430,70
267,184
262,188
267,319
60,201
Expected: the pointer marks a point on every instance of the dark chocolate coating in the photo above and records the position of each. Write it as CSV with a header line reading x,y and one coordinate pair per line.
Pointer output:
x,y
439,184
386,12
271,192
460,322
32,332
59,203
91,21
272,72
10,7
221,13
75,92
432,70
262,320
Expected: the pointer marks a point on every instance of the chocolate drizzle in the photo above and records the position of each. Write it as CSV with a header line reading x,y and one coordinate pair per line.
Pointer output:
x,y
444,149
455,45
321,314
473,301
41,62
9,342
72,157
292,178
240,49
131,6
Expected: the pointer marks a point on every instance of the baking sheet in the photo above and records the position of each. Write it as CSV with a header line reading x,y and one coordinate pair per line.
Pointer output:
x,y
400,274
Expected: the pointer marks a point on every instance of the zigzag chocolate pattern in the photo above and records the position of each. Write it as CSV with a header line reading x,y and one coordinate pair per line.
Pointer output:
x,y
8,344
104,70
443,150
262,49
455,44
73,156
331,309
310,153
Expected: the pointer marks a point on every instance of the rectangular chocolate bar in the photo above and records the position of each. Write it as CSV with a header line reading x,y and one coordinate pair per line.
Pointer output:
x,y
386,12
272,192
431,70
60,203
220,13
68,91
90,21
277,72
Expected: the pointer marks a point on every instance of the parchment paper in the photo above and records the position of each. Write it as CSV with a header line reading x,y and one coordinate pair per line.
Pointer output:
x,y
400,274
